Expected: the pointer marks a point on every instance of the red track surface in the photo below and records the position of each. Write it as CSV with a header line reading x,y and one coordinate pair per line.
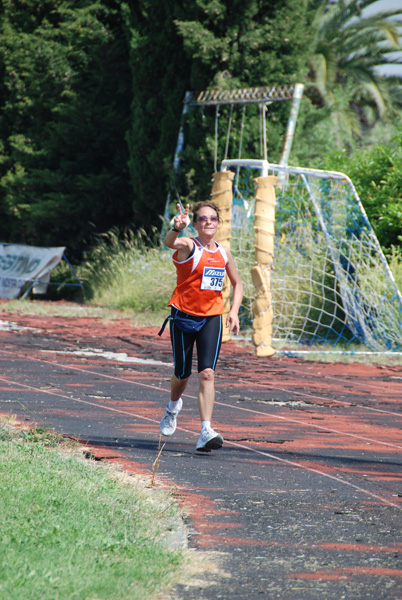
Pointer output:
x,y
305,498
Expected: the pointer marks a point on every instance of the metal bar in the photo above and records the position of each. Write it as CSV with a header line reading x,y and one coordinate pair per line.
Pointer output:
x,y
254,163
264,131
297,96
177,157
241,96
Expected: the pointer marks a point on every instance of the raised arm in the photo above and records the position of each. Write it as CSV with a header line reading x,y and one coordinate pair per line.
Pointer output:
x,y
172,239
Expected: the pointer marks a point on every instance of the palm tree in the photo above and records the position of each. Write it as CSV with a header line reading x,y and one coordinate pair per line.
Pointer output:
x,y
348,50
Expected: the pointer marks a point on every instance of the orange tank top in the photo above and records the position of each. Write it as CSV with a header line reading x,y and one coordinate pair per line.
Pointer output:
x,y
200,280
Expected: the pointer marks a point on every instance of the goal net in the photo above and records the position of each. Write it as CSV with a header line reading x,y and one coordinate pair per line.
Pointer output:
x,y
330,282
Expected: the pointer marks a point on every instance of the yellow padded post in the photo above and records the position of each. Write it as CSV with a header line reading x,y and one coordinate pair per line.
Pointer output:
x,y
264,233
222,195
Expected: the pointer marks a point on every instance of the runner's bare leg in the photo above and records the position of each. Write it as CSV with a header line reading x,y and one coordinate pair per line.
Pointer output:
x,y
206,394
177,387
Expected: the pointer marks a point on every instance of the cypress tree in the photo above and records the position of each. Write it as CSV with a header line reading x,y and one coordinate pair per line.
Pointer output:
x,y
64,112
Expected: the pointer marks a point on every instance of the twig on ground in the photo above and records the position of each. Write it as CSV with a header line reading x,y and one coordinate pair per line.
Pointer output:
x,y
155,464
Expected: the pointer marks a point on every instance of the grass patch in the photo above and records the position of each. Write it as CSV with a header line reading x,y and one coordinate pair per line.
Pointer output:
x,y
69,309
77,529
56,309
131,273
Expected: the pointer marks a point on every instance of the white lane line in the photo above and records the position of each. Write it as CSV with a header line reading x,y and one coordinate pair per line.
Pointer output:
x,y
243,446
240,408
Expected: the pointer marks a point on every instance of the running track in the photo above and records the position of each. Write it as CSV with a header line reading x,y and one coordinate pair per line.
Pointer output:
x,y
305,499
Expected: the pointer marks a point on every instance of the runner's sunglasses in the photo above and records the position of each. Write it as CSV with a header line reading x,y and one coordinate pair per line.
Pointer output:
x,y
205,219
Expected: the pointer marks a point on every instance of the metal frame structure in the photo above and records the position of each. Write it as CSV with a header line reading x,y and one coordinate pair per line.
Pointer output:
x,y
255,95
264,96
34,282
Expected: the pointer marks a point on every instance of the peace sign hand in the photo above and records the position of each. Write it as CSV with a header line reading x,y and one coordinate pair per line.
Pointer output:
x,y
181,220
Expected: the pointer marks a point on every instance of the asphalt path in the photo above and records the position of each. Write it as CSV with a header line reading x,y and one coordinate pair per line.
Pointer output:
x,y
304,500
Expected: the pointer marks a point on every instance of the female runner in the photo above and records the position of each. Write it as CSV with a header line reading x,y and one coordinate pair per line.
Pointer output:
x,y
196,314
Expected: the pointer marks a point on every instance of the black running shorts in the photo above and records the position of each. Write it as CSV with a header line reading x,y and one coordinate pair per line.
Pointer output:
x,y
208,342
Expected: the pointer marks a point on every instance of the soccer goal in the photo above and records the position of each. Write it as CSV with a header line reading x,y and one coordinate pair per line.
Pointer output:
x,y
325,280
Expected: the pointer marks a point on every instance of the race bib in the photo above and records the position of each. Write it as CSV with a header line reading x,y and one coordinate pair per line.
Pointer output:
x,y
212,279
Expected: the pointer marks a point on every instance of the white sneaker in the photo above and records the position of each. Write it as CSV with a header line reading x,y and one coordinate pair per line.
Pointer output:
x,y
209,440
169,420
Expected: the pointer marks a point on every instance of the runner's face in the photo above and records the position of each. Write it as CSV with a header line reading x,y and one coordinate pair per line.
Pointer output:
x,y
207,220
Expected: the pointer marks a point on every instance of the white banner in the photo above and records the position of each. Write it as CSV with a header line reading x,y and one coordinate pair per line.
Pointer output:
x,y
20,264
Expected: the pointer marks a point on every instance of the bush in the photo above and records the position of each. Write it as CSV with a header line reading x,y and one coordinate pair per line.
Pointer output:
x,y
129,273
377,175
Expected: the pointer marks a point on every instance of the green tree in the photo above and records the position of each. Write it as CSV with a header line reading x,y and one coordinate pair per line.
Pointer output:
x,y
344,77
205,44
64,110
159,79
